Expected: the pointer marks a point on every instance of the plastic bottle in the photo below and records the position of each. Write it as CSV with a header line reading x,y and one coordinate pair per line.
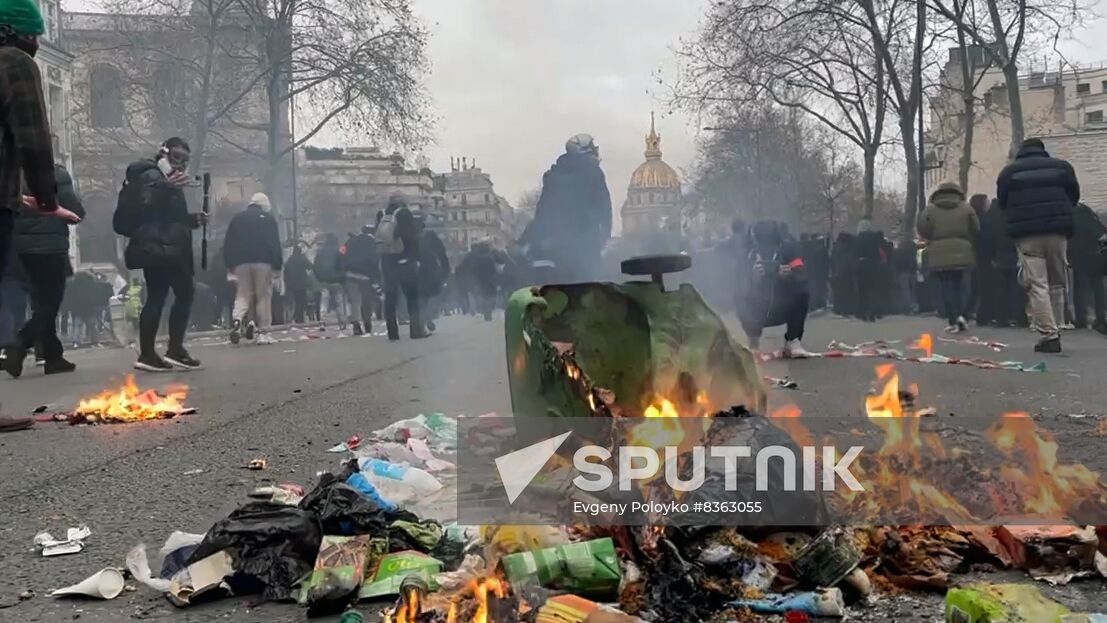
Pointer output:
x,y
392,476
352,616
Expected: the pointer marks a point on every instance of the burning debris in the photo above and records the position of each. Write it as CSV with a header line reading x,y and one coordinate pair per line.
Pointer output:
x,y
131,404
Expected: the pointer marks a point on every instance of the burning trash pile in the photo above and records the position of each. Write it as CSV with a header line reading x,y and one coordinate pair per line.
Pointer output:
x,y
125,404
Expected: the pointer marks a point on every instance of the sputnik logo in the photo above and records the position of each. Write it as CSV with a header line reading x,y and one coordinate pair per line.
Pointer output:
x,y
517,469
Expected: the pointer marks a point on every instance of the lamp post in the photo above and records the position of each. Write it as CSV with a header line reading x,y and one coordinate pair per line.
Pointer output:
x,y
939,151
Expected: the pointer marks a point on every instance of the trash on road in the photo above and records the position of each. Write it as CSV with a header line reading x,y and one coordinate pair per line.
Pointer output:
x,y
586,568
257,464
401,483
1055,554
338,573
1001,603
781,383
827,602
104,584
393,568
73,543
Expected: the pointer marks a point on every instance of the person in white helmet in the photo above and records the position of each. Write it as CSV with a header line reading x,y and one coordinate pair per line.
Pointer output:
x,y
252,254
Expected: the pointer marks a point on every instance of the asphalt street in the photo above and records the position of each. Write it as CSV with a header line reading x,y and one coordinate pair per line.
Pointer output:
x,y
290,401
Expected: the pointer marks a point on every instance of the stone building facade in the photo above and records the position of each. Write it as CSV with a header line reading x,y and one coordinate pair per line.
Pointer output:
x,y
653,195
1065,107
130,92
473,212
340,190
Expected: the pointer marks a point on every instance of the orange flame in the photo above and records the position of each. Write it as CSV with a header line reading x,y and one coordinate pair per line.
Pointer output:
x,y
130,404
480,590
787,419
925,343
410,607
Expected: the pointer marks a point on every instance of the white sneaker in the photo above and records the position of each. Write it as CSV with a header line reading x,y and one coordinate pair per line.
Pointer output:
x,y
265,338
962,325
795,350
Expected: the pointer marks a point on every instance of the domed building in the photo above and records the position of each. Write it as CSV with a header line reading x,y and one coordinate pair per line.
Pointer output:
x,y
653,196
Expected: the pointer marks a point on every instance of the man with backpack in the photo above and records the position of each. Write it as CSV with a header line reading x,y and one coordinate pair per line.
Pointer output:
x,y
252,254
153,214
361,266
328,272
398,243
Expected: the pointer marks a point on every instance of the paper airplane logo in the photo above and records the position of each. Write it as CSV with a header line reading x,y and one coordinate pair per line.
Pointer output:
x,y
517,469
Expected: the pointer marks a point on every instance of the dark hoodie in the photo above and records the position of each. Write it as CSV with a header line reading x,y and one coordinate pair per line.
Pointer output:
x,y
38,233
574,210
1037,193
160,232
769,293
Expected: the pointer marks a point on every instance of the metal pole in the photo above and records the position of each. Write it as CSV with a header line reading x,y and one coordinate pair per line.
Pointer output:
x,y
295,167
922,136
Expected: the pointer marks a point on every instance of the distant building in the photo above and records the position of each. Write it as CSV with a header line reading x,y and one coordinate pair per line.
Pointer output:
x,y
340,190
473,211
1066,108
56,66
653,195
132,90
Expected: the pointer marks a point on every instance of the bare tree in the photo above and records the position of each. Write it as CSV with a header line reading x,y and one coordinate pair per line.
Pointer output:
x,y
799,55
356,65
1004,37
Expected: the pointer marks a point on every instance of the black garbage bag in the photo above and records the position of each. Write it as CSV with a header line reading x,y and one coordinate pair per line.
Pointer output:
x,y
344,511
272,547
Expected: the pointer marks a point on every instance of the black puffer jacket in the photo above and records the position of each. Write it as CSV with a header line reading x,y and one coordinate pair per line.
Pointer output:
x,y
1084,246
36,233
996,246
161,233
574,211
252,238
1038,194
361,257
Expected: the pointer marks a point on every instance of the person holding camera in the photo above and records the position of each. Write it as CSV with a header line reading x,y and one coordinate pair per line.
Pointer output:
x,y
153,214
775,286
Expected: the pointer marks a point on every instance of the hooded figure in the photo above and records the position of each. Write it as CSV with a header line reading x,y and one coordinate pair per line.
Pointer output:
x,y
950,228
572,221
775,287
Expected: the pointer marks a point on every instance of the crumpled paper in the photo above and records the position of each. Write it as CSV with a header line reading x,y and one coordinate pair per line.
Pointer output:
x,y
73,542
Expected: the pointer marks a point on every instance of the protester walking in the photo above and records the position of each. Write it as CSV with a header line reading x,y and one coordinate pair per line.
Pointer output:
x,y
1086,259
870,260
434,269
1038,195
950,228
361,268
153,214
328,271
1001,289
398,243
26,145
252,254
297,278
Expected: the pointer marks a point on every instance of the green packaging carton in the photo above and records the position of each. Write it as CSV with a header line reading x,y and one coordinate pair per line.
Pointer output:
x,y
587,568
393,568
1001,603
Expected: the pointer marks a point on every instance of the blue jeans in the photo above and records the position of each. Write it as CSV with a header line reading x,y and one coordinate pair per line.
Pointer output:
x,y
13,311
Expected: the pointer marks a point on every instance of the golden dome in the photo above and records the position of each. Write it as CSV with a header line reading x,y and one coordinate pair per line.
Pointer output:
x,y
654,173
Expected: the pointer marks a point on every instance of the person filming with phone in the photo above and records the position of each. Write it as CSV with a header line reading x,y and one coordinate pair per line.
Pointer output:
x,y
153,214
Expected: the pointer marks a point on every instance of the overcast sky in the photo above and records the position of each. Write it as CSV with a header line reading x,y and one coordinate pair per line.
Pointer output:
x,y
513,80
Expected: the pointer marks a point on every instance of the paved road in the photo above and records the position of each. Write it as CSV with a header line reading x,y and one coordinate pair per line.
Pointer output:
x,y
290,401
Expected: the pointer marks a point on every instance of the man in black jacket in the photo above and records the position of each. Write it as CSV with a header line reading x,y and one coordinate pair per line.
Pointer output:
x,y
1000,296
434,269
252,254
154,215
1089,234
361,268
296,281
1038,194
398,242
41,243
776,287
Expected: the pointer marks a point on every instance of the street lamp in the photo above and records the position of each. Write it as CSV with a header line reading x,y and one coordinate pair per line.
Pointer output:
x,y
939,157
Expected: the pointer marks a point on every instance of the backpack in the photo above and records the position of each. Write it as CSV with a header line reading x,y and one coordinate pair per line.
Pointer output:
x,y
388,242
128,208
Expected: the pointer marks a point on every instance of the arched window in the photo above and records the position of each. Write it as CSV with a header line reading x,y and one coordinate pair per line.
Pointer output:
x,y
105,89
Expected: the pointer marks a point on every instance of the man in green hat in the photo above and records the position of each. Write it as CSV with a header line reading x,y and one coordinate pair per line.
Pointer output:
x,y
26,149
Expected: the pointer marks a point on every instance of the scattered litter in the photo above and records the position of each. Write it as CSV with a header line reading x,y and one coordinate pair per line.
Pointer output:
x,y
826,602
586,568
393,568
73,543
975,341
286,494
781,383
400,483
422,451
258,464
192,472
1054,554
104,584
1000,603
338,573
